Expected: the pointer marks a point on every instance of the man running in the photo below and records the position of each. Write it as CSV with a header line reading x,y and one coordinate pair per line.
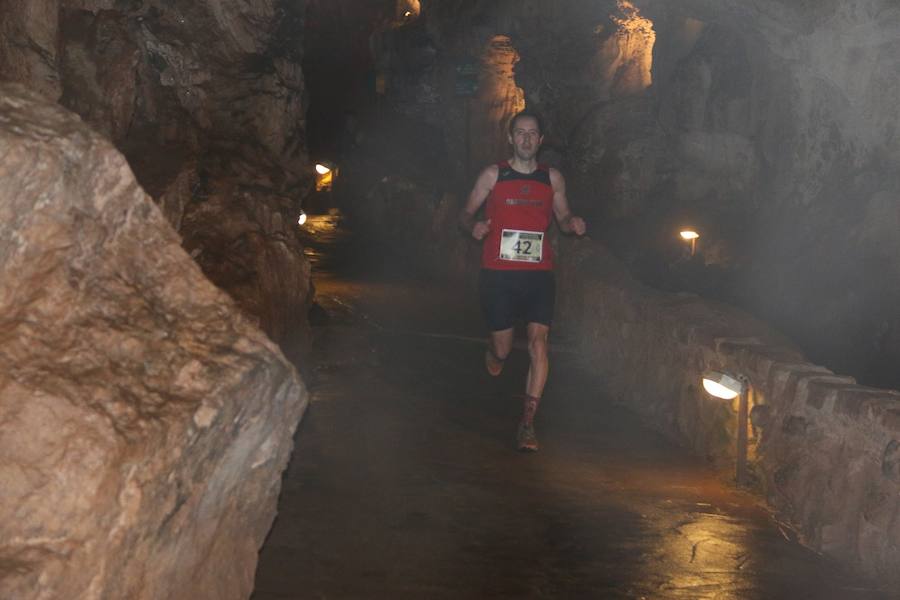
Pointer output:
x,y
516,279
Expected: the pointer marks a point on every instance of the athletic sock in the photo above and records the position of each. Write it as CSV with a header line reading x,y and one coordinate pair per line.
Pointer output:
x,y
529,409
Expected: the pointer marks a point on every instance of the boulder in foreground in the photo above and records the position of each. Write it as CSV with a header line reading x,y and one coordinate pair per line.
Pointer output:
x,y
144,423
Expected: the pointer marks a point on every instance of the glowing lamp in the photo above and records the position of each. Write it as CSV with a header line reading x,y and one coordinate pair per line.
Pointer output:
x,y
722,385
407,14
689,235
727,387
326,171
302,219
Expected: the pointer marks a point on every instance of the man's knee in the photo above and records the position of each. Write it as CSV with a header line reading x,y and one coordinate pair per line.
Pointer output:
x,y
501,344
500,353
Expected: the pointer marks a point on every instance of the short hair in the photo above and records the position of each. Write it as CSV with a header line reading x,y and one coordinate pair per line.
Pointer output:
x,y
523,114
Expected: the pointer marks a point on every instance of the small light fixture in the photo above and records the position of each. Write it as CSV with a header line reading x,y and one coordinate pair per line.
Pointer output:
x,y
727,387
689,235
326,172
407,14
722,385
302,219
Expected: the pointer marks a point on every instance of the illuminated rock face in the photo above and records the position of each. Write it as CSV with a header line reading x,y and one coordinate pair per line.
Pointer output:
x,y
144,423
205,99
498,98
625,60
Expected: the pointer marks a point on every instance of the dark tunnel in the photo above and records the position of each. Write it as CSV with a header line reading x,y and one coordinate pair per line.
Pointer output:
x,y
288,296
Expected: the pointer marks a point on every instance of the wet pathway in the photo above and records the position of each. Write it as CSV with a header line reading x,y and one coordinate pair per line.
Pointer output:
x,y
405,482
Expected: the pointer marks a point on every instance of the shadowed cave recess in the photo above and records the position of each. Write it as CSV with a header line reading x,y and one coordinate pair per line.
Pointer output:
x,y
767,127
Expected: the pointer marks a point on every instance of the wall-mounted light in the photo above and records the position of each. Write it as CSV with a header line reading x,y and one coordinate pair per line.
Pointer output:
x,y
722,385
689,235
326,171
302,219
408,9
728,386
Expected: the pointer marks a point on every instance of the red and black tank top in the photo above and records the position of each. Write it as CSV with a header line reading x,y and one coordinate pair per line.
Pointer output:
x,y
520,208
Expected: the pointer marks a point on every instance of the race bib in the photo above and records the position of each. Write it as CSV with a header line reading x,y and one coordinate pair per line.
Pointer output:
x,y
522,246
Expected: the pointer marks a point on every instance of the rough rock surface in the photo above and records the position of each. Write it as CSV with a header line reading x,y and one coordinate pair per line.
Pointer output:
x,y
243,241
28,48
204,99
144,423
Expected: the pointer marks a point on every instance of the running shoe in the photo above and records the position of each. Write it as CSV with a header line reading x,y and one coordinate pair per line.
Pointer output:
x,y
527,441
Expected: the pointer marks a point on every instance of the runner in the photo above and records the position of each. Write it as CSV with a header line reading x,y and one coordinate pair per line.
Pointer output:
x,y
516,280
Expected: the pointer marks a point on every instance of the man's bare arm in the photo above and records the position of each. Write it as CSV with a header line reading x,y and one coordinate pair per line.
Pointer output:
x,y
568,222
483,186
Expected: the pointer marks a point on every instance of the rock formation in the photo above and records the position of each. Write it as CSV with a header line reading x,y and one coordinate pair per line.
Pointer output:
x,y
144,422
205,99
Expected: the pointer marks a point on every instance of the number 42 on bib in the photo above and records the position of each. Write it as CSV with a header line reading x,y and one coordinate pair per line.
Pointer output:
x,y
522,246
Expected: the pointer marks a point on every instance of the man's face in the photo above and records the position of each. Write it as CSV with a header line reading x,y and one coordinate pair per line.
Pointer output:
x,y
525,138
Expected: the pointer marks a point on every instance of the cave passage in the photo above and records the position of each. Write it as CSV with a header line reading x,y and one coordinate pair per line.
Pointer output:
x,y
405,482
158,157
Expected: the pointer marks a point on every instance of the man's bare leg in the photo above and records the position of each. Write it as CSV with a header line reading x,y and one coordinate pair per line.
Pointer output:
x,y
499,347
534,384
540,363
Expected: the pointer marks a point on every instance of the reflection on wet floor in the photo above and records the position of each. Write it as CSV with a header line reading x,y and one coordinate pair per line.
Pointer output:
x,y
405,482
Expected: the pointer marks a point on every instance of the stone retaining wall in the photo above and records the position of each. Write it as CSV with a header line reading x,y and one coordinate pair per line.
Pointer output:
x,y
824,450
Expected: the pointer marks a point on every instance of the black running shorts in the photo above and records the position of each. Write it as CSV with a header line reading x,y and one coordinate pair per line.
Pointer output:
x,y
511,296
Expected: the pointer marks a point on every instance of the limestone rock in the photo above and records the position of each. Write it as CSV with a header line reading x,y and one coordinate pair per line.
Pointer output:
x,y
99,70
28,35
245,245
199,96
144,423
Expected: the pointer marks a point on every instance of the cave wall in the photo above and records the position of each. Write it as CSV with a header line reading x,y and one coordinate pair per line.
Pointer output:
x,y
770,128
767,129
206,101
784,141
